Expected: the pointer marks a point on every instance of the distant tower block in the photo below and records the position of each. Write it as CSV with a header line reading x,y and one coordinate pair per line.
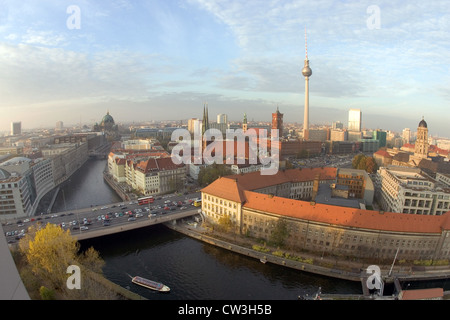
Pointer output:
x,y
307,72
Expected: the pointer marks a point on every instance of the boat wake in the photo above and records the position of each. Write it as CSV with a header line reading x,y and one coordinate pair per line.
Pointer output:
x,y
131,277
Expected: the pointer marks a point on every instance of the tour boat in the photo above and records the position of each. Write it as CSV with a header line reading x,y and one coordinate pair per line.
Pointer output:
x,y
157,286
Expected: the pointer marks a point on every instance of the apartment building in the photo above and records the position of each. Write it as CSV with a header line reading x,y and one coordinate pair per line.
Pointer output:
x,y
411,190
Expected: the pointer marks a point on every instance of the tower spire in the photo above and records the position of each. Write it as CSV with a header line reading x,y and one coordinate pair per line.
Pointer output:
x,y
306,46
205,120
307,72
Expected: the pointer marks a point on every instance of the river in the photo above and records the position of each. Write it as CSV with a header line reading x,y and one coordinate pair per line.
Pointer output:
x,y
192,269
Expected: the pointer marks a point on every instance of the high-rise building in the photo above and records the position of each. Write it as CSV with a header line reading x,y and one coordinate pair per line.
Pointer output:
x,y
337,125
222,118
307,72
193,124
16,128
338,135
406,135
380,136
354,120
59,125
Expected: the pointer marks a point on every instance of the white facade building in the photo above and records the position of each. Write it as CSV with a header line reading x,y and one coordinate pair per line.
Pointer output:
x,y
410,190
23,183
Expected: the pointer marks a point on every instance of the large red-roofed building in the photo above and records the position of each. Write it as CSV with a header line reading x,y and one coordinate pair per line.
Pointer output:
x,y
255,204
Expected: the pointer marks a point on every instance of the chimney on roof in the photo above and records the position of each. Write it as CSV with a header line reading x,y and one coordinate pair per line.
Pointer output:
x,y
270,195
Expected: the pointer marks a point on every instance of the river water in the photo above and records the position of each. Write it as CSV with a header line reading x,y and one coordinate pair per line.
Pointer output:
x,y
192,269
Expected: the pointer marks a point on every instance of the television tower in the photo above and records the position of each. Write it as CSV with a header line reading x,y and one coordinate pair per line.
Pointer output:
x,y
307,72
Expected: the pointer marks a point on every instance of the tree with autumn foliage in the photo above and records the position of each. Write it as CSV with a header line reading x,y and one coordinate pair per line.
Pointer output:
x,y
363,162
47,252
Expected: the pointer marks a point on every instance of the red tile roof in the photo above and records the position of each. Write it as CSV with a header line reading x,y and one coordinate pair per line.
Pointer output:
x,y
255,180
226,188
237,188
152,164
383,153
344,216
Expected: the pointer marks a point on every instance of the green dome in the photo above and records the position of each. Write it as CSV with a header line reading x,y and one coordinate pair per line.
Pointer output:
x,y
107,119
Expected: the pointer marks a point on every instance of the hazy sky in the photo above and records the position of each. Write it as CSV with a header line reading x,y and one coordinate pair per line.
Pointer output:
x,y
163,59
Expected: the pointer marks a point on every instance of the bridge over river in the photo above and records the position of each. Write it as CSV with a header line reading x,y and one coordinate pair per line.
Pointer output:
x,y
126,225
105,220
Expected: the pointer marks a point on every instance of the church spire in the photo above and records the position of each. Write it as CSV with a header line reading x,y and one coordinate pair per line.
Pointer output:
x,y
244,123
205,121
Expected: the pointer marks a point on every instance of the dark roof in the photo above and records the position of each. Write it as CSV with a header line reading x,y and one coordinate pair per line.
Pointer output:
x,y
402,157
432,167
422,124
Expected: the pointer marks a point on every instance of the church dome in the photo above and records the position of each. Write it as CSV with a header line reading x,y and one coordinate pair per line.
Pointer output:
x,y
423,124
107,119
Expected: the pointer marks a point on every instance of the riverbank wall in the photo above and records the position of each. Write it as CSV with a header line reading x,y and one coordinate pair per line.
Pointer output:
x,y
120,291
264,257
341,269
116,187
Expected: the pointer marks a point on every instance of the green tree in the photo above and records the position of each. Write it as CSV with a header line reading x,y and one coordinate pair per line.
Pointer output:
x,y
362,163
356,160
91,259
46,293
280,233
212,172
225,223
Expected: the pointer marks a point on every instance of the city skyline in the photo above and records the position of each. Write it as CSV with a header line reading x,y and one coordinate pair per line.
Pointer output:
x,y
162,60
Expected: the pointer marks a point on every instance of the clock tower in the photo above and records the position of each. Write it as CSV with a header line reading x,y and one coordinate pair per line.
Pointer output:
x,y
277,122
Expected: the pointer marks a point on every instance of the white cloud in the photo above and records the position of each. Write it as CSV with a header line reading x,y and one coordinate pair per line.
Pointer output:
x,y
396,69
38,74
44,38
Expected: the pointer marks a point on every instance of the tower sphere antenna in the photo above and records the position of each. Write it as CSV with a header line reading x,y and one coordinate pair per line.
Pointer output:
x,y
306,71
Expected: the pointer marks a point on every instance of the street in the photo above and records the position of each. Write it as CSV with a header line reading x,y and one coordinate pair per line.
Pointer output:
x,y
101,216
